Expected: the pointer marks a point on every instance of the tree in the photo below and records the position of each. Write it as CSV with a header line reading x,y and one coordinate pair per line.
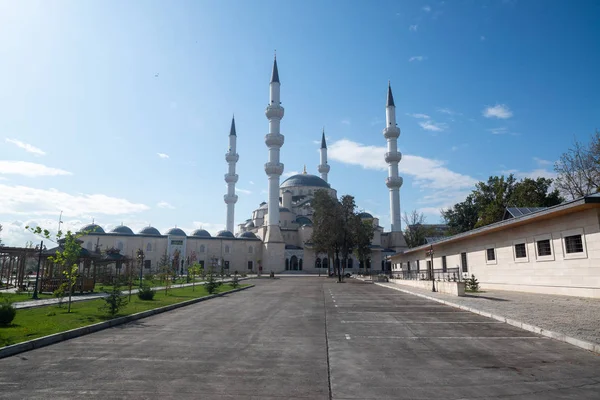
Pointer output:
x,y
114,301
0,232
164,269
194,270
535,193
363,231
462,217
324,223
347,236
579,169
415,230
492,198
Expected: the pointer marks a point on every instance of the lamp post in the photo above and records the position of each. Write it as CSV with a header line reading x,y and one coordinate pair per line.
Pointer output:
x,y
140,256
430,253
37,276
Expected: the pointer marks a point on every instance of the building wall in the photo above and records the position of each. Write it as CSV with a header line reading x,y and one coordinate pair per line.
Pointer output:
x,y
576,274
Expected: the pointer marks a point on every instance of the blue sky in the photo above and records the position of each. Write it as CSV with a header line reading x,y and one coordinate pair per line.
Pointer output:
x,y
92,92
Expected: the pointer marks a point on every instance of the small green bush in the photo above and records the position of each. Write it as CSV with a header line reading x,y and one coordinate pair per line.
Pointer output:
x,y
146,293
114,302
472,284
7,313
235,283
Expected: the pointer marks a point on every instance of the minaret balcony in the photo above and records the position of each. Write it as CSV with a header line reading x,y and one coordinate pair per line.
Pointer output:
x,y
393,157
391,132
274,111
232,157
394,182
273,168
324,168
231,178
230,198
274,139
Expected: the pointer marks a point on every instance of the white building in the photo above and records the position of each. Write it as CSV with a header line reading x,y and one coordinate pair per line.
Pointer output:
x,y
277,236
555,250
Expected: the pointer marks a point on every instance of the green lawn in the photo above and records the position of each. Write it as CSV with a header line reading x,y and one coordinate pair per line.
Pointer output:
x,y
42,321
25,296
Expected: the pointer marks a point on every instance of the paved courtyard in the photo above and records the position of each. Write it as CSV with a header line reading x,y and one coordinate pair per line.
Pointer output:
x,y
307,338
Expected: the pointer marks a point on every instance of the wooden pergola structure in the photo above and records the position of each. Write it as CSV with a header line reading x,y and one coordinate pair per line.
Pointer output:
x,y
13,263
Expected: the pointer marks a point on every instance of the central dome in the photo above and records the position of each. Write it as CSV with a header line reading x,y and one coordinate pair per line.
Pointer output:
x,y
304,180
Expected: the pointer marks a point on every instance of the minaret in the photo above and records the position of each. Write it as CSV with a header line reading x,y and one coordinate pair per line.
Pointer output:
x,y
324,167
274,168
231,177
391,133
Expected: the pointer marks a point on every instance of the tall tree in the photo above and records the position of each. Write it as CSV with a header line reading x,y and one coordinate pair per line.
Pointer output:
x,y
492,198
415,230
462,216
347,235
579,169
364,232
534,193
324,223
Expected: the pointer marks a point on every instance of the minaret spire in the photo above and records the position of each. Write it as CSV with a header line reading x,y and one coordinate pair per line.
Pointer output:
x,y
323,168
231,177
274,168
391,132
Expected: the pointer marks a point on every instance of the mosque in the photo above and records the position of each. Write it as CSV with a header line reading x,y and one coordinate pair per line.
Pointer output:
x,y
277,237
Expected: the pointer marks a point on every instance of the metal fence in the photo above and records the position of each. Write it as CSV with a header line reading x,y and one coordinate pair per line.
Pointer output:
x,y
448,275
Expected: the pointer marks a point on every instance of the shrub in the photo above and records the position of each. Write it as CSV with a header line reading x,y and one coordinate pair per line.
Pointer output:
x,y
7,313
60,294
472,284
114,302
146,293
235,283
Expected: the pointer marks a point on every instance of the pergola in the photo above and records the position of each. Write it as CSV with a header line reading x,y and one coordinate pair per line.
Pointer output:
x,y
13,263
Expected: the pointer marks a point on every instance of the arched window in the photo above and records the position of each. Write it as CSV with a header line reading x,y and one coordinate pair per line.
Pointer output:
x,y
325,263
149,247
226,249
250,249
350,263
89,246
120,246
318,263
202,248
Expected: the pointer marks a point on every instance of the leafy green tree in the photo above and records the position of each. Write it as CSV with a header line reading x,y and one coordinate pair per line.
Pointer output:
x,y
493,197
535,193
461,217
415,230
164,272
193,271
114,302
364,232
324,223
579,169
346,233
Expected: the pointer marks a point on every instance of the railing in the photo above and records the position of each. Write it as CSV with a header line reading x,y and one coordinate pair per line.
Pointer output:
x,y
449,275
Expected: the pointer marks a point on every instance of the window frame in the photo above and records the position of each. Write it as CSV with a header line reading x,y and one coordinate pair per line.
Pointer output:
x,y
487,260
540,238
514,249
444,264
573,232
464,266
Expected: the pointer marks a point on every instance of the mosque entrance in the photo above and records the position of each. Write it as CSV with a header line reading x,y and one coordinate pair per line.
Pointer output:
x,y
294,263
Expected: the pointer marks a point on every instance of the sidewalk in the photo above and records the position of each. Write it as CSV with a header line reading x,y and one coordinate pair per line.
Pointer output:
x,y
92,296
575,317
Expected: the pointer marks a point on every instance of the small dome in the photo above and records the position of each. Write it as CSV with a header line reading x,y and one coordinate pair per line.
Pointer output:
x,y
304,180
149,230
176,232
302,220
249,225
248,235
92,229
201,233
225,234
122,230
365,215
263,206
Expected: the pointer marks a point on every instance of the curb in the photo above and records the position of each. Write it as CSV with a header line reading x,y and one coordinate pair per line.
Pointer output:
x,y
593,347
84,330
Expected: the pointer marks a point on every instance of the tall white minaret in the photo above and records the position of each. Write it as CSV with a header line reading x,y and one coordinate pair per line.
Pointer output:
x,y
392,157
274,140
231,177
324,167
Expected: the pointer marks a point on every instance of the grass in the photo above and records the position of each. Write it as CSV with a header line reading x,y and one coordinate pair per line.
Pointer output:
x,y
42,321
23,296
100,287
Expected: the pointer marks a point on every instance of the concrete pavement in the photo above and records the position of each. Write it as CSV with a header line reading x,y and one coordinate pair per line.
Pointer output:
x,y
307,338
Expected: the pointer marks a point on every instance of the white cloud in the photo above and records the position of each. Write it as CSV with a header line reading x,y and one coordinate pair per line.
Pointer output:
x,y
448,111
251,182
376,121
416,58
422,116
163,155
534,174
29,169
27,147
413,28
288,174
498,111
244,191
164,204
15,234
22,200
542,162
433,126
498,131
212,227
345,121
426,9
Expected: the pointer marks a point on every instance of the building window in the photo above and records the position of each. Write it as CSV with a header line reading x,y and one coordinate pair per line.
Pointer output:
x,y
147,264
250,265
148,247
463,261
89,246
520,250
418,266
318,263
573,244
350,263
491,254
428,265
444,264
120,246
202,248
408,266
544,248
250,250
227,249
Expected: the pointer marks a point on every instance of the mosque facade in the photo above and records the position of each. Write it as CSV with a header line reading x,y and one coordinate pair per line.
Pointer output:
x,y
277,236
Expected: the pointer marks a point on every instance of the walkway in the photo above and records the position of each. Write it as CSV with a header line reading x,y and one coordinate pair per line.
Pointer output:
x,y
307,338
578,317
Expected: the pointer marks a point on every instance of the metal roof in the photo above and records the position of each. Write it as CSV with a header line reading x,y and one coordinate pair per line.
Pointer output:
x,y
513,212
